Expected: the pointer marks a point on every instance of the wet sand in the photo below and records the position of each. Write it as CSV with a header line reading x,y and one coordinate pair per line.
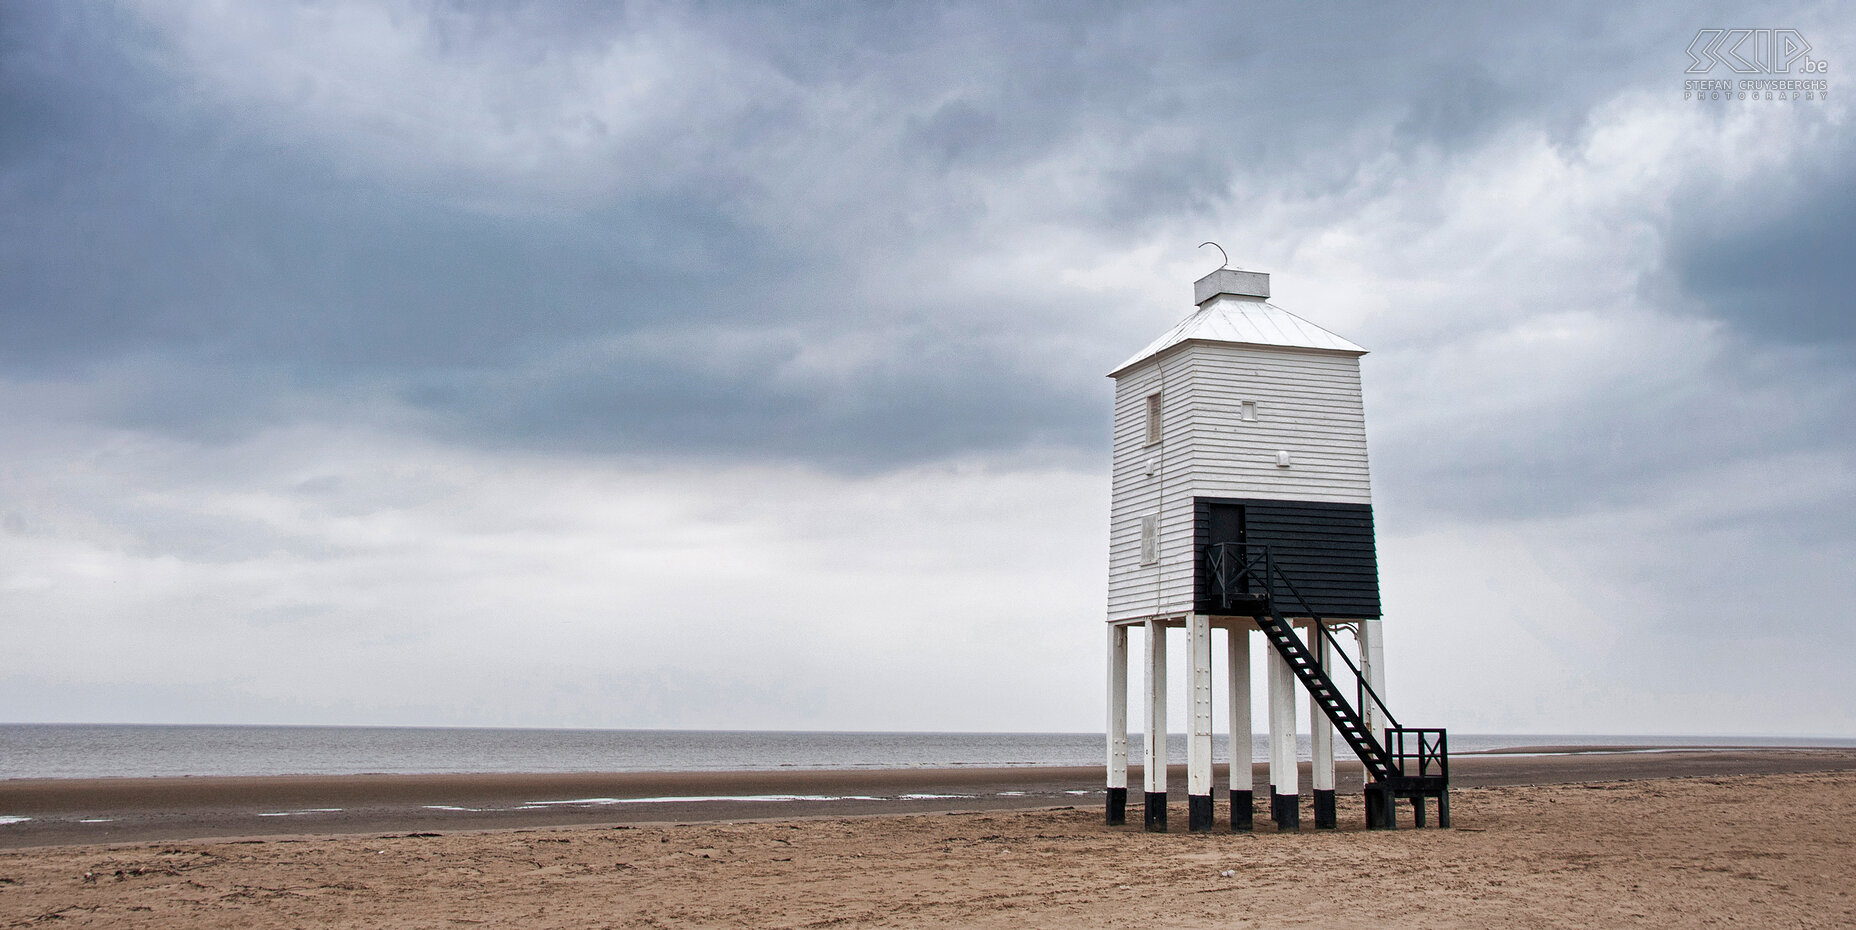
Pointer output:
x,y
106,810
1693,851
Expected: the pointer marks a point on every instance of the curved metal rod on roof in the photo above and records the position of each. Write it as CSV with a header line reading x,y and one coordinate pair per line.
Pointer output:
x,y
1220,248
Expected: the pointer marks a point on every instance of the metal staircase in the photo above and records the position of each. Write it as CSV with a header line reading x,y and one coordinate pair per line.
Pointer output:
x,y
1412,762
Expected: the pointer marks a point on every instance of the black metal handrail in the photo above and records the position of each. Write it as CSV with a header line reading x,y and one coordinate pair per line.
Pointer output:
x,y
1363,689
1232,567
1433,750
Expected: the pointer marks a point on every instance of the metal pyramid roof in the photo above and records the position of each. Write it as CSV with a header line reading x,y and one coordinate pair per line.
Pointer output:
x,y
1244,321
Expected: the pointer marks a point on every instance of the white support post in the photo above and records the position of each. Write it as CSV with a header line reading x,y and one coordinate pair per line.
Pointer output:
x,y
1237,681
1373,665
1285,782
1153,760
1199,738
1117,725
1321,739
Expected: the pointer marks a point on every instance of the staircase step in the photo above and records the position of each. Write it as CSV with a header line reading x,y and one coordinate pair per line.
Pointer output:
x,y
1312,673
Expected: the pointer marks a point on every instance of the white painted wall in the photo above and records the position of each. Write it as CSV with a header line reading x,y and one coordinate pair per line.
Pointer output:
x,y
1308,405
1137,590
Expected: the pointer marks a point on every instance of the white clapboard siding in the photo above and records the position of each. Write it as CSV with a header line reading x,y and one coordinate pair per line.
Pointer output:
x,y
1308,405
1135,493
1133,587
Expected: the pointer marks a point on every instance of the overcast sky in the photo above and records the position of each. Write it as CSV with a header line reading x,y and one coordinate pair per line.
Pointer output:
x,y
653,365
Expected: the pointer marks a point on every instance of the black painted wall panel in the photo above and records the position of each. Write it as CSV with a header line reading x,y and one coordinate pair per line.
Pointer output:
x,y
1326,550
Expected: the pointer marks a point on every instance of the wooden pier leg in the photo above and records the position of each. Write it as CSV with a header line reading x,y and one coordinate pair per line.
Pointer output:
x,y
1285,781
1117,725
1237,675
1153,759
1199,736
1381,808
1321,743
1373,666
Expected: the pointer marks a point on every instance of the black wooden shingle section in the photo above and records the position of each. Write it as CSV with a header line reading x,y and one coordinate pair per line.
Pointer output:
x,y
1326,549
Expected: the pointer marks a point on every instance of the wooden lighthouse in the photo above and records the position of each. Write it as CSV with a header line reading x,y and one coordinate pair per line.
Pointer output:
x,y
1241,501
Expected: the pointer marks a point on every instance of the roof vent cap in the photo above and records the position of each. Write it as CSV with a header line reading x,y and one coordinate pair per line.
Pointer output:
x,y
1231,281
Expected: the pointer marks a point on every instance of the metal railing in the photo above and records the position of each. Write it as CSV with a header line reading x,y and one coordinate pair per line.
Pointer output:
x,y
1233,567
1433,755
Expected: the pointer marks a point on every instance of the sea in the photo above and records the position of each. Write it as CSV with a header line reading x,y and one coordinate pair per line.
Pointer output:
x,y
140,750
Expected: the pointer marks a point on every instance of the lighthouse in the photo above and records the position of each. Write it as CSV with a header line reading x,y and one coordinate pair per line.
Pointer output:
x,y
1241,501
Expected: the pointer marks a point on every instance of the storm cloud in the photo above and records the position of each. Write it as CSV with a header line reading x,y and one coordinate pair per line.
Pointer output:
x,y
292,297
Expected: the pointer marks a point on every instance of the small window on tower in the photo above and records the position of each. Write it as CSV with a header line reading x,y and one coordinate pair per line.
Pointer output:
x,y
1153,418
1247,410
1150,539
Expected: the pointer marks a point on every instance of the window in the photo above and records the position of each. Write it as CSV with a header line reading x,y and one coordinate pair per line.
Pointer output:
x,y
1153,418
1247,410
1150,539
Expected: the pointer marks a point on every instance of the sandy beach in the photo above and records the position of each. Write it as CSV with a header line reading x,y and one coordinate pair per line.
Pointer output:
x,y
1682,839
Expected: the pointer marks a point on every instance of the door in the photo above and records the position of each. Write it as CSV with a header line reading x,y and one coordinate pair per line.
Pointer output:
x,y
1224,546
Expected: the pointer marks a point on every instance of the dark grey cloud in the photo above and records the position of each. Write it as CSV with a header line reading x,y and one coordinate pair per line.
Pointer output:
x,y
924,397
1776,257
230,269
286,318
1461,106
1636,445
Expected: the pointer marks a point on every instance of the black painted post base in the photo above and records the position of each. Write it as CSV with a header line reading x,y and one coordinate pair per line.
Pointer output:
x,y
1443,809
1156,812
1325,815
1243,810
1117,806
1199,813
1286,810
1381,814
